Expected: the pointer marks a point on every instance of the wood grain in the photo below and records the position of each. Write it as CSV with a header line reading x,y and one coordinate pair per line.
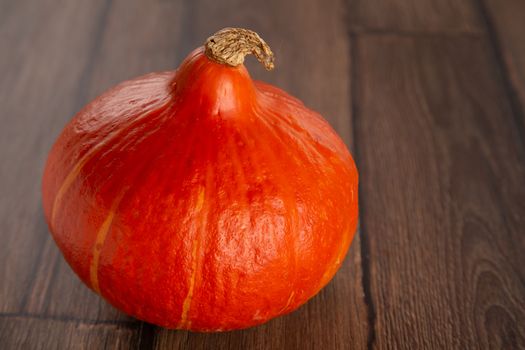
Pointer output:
x,y
428,94
37,95
445,16
36,333
443,183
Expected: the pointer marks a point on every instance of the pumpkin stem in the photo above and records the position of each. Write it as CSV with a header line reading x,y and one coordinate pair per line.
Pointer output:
x,y
230,45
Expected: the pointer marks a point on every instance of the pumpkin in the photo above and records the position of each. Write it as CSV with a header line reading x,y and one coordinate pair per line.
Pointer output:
x,y
200,199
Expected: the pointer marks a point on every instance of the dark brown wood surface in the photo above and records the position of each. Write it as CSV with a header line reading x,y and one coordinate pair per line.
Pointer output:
x,y
429,95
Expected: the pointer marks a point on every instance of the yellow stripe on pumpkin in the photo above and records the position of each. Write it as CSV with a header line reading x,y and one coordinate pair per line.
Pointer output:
x,y
99,243
68,181
199,203
187,301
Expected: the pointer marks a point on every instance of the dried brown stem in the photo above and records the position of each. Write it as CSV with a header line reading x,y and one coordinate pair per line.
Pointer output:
x,y
230,45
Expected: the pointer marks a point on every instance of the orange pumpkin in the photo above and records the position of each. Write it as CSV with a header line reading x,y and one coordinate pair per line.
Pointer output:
x,y
199,199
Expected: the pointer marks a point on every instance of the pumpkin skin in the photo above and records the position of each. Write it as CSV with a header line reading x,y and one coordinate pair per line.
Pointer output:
x,y
199,199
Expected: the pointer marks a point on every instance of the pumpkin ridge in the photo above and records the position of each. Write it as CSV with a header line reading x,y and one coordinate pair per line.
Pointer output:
x,y
128,191
291,131
277,130
292,216
159,148
336,263
240,178
195,245
269,93
202,207
255,161
95,150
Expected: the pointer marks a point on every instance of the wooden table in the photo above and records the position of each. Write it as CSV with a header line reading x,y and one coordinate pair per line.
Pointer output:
x,y
430,97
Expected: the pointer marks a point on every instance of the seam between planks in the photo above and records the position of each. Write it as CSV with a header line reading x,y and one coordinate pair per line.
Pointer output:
x,y
129,324
364,244
415,33
508,86
146,336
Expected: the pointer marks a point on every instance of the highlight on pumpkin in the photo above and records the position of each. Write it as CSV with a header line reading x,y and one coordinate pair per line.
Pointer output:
x,y
219,204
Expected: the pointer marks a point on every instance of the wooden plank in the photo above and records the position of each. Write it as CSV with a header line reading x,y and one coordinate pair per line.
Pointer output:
x,y
506,18
312,62
35,333
136,38
444,194
447,16
45,47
